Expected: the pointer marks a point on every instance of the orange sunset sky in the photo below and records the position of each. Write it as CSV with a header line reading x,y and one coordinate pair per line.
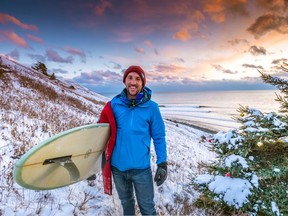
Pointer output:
x,y
183,45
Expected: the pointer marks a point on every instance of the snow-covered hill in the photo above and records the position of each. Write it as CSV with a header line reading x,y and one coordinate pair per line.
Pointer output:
x,y
34,107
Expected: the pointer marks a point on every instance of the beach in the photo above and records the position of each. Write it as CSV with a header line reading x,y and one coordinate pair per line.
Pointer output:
x,y
213,111
189,124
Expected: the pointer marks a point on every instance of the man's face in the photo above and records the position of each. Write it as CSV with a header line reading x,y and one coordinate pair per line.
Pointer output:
x,y
133,84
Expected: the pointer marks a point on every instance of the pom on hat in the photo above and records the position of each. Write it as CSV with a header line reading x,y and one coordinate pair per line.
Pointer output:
x,y
138,70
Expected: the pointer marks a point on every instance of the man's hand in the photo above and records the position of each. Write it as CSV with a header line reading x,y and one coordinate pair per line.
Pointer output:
x,y
161,173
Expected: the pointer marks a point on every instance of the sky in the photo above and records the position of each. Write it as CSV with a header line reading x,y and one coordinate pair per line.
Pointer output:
x,y
183,45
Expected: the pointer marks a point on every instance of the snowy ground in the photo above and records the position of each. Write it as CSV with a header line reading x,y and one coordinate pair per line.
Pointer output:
x,y
34,108
174,197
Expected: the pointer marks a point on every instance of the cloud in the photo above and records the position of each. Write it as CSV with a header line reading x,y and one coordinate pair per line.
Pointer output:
x,y
55,57
35,39
190,85
269,22
156,52
124,36
238,41
142,18
274,69
59,71
215,11
218,10
183,35
75,51
280,61
165,74
102,7
278,5
148,43
13,37
139,50
6,18
129,30
278,65
37,57
252,66
194,19
222,85
99,77
198,16
162,68
254,50
223,70
180,60
114,65
238,7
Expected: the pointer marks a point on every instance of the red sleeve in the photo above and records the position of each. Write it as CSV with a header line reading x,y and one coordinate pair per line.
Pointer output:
x,y
107,116
104,114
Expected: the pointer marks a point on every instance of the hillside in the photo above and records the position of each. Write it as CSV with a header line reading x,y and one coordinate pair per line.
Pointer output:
x,y
33,107
33,103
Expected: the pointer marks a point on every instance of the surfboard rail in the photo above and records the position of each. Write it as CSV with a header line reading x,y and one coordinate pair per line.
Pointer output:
x,y
66,158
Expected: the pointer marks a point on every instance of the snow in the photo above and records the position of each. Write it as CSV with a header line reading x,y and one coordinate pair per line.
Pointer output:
x,y
255,112
255,180
235,158
185,146
30,119
234,191
275,209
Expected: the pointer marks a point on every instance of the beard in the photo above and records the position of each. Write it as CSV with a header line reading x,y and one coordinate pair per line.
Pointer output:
x,y
133,91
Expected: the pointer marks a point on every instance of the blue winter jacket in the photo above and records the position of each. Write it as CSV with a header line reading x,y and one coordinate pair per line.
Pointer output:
x,y
136,125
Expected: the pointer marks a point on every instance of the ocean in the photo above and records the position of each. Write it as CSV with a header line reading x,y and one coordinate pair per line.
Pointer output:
x,y
213,110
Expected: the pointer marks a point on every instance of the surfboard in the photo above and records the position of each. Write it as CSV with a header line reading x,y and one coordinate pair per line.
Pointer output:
x,y
66,158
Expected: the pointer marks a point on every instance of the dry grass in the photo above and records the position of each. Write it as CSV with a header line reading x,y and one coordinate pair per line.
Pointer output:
x,y
32,110
36,110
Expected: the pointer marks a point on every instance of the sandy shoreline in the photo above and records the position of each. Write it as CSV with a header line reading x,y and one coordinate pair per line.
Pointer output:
x,y
192,124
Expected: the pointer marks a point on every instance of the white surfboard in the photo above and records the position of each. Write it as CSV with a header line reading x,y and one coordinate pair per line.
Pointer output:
x,y
64,159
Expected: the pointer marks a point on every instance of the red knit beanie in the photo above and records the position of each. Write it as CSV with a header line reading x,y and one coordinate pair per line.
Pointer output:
x,y
138,70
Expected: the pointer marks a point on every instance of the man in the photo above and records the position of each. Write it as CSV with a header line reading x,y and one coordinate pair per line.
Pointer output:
x,y
137,119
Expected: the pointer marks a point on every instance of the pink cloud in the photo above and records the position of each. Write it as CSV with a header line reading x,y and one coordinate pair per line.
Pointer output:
x,y
102,7
268,22
139,50
169,68
198,16
148,43
75,51
183,35
6,18
35,39
13,37
218,10
277,5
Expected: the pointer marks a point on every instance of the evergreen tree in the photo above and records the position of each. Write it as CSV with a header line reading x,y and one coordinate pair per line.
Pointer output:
x,y
53,77
41,67
251,171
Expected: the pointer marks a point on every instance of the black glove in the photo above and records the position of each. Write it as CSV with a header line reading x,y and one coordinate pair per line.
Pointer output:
x,y
161,173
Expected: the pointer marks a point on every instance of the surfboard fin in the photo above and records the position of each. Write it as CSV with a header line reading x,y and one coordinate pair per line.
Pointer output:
x,y
67,163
